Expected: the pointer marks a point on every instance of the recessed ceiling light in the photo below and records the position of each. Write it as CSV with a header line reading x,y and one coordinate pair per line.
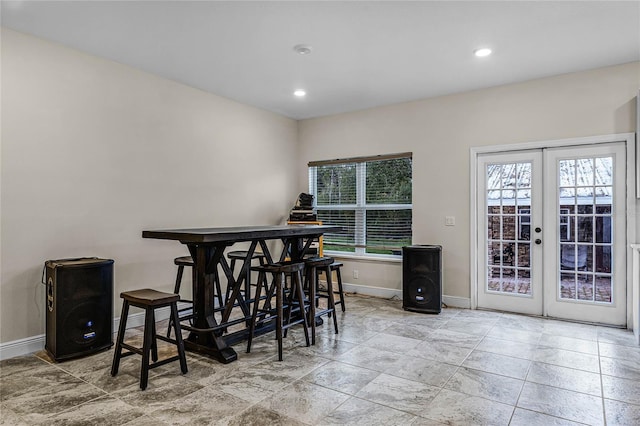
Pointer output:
x,y
302,49
485,51
300,93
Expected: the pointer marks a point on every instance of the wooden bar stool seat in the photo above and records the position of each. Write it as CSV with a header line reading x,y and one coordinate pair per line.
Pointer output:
x,y
149,300
313,266
186,313
242,255
283,310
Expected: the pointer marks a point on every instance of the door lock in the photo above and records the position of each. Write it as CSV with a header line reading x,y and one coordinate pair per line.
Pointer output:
x,y
538,229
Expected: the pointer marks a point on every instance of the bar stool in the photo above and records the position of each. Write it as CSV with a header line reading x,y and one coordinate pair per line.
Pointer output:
x,y
313,266
181,262
335,266
149,300
242,255
283,321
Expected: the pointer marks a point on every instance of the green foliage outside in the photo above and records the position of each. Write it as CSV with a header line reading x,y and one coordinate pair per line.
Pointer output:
x,y
387,182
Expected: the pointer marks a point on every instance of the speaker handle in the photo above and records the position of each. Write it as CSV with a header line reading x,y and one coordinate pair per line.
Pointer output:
x,y
50,294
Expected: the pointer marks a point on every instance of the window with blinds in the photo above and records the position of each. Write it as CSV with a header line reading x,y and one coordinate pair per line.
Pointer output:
x,y
369,197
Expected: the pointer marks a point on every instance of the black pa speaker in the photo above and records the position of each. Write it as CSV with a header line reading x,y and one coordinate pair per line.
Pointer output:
x,y
79,311
422,278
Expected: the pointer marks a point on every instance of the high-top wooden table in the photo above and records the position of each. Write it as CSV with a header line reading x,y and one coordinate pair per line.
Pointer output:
x,y
207,246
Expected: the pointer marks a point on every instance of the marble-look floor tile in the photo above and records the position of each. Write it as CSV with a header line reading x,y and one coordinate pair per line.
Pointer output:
x,y
521,322
369,322
423,370
569,344
498,364
102,411
401,394
565,378
486,385
258,416
59,393
420,385
617,336
145,420
453,337
611,350
327,347
625,368
424,321
374,359
342,377
477,327
515,335
621,389
25,382
621,414
304,401
472,314
568,359
523,417
507,347
455,408
405,329
205,406
568,329
392,343
356,412
9,418
442,352
354,334
21,365
562,403
161,392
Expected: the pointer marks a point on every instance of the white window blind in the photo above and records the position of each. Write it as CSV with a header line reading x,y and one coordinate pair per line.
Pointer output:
x,y
369,197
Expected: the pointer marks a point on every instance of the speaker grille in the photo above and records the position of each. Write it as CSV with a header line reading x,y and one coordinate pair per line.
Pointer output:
x,y
79,306
422,278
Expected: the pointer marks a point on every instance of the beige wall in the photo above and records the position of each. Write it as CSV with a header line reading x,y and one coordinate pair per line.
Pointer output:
x,y
440,132
93,152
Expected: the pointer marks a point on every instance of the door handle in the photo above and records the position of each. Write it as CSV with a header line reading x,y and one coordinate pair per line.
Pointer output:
x,y
538,241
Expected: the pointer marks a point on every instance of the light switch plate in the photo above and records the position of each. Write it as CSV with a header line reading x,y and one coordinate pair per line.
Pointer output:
x,y
450,220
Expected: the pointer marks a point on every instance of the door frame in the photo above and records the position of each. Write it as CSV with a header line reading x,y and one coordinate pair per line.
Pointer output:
x,y
630,199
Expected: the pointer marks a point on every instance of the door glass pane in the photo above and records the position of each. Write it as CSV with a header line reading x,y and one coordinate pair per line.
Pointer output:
x,y
603,288
508,199
585,229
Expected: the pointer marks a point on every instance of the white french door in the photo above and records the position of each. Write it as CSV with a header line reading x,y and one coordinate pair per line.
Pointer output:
x,y
510,212
587,260
551,232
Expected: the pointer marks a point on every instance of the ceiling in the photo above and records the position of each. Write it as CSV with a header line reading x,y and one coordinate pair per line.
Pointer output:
x,y
364,54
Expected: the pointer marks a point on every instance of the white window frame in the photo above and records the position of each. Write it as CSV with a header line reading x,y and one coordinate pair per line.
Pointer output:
x,y
360,209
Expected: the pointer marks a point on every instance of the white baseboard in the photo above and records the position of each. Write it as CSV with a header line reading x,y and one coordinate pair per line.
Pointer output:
x,y
36,343
21,347
387,293
456,302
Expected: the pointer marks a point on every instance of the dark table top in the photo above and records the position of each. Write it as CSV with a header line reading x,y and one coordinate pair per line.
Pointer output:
x,y
240,233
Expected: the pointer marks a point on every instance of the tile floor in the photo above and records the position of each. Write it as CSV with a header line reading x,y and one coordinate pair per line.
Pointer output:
x,y
386,367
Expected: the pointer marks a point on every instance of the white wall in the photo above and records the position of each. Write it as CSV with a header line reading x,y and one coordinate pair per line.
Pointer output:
x,y
94,152
440,132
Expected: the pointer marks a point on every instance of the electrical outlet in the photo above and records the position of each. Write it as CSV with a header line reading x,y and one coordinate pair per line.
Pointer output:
x,y
356,274
450,220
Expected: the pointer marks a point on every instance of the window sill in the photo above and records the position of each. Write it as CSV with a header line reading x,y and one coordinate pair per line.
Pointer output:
x,y
366,258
